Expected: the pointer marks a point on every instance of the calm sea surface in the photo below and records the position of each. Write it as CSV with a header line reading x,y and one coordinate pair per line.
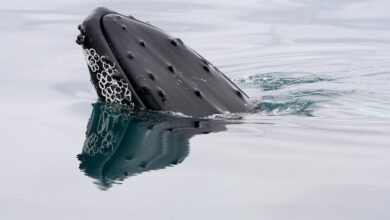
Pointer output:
x,y
317,147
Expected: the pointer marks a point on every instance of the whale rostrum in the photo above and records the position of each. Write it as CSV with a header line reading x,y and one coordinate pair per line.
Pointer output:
x,y
136,64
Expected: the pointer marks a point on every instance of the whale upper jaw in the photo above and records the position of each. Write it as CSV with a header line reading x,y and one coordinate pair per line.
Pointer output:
x,y
134,63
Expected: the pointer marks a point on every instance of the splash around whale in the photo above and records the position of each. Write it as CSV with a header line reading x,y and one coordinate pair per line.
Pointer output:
x,y
136,64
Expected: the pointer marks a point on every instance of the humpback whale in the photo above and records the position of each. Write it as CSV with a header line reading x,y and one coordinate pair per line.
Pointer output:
x,y
121,143
134,63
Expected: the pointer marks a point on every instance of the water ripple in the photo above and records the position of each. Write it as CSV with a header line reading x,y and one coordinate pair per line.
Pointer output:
x,y
274,81
287,93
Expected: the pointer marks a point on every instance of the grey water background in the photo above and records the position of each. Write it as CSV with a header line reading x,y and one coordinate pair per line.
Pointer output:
x,y
318,147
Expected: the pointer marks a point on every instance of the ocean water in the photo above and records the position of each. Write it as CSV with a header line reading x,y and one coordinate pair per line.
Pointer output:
x,y
317,145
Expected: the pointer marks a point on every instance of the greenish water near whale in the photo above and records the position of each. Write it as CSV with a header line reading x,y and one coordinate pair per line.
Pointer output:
x,y
316,146
121,143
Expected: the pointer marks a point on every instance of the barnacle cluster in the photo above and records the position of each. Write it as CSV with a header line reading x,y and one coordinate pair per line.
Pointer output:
x,y
112,87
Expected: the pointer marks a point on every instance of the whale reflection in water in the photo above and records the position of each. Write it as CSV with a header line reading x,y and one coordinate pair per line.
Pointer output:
x,y
121,143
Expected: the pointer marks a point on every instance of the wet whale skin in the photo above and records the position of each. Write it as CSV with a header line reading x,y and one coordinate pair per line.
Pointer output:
x,y
134,63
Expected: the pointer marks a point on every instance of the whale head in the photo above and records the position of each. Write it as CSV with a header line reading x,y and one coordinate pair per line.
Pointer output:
x,y
134,63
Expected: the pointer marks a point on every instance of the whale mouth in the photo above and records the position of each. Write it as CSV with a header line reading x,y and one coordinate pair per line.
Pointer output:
x,y
134,63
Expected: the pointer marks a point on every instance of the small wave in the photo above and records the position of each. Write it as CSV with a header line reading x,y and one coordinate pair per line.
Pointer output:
x,y
295,103
226,116
296,107
278,80
283,93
